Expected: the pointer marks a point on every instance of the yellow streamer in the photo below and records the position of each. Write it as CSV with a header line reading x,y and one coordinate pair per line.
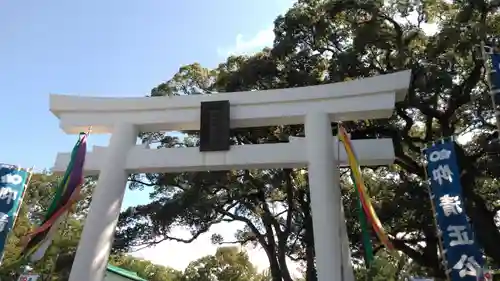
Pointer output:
x,y
359,182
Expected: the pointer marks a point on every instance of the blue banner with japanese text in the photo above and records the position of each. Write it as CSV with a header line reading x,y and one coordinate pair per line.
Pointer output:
x,y
495,71
463,257
12,186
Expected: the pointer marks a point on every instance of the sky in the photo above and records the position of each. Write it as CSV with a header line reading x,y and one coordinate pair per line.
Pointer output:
x,y
117,48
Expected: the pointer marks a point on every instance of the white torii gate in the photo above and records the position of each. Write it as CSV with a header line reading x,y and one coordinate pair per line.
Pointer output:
x,y
314,106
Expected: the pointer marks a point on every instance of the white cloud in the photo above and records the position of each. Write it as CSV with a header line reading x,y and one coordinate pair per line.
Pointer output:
x,y
265,37
244,46
249,44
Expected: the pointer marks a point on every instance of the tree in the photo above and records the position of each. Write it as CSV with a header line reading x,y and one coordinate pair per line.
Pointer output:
x,y
326,41
58,260
146,269
390,268
228,263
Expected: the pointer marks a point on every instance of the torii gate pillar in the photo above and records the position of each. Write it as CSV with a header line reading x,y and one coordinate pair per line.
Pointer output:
x,y
325,195
98,232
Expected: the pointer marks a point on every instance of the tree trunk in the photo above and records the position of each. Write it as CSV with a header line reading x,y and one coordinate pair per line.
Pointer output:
x,y
309,239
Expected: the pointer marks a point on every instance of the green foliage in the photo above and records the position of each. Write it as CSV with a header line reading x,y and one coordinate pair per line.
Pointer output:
x,y
389,268
57,262
146,269
227,264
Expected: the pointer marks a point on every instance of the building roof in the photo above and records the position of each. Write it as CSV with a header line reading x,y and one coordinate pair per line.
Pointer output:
x,y
125,273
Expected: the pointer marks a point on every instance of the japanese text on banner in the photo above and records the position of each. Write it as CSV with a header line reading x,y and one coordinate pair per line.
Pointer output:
x,y
462,254
495,61
495,74
12,185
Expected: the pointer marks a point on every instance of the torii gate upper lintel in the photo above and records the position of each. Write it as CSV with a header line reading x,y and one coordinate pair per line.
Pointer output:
x,y
314,106
369,98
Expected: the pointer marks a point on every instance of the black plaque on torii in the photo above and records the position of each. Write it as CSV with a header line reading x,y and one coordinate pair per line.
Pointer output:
x,y
214,126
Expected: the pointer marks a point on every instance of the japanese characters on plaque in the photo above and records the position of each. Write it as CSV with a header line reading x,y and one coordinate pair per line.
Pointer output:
x,y
12,185
463,257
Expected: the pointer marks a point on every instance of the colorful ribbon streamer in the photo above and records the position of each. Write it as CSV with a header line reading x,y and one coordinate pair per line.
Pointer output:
x,y
360,186
68,193
367,244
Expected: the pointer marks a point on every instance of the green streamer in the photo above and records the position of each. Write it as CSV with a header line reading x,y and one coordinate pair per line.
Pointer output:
x,y
62,184
367,244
